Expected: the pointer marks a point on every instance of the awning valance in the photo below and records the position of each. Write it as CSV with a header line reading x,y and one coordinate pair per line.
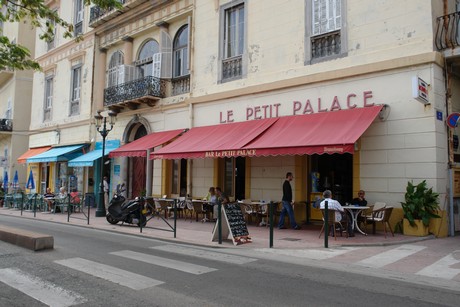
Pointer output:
x,y
225,140
319,133
89,158
32,152
58,154
139,147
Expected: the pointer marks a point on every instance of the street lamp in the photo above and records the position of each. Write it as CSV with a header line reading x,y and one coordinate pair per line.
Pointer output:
x,y
101,127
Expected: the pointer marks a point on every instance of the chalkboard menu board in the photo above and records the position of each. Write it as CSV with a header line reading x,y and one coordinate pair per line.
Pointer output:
x,y
233,224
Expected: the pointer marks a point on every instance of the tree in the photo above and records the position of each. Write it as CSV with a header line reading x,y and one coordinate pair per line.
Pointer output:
x,y
40,16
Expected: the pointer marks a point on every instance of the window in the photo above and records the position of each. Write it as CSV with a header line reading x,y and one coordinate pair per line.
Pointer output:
x,y
51,43
233,42
48,103
112,73
144,63
326,37
75,90
79,12
180,53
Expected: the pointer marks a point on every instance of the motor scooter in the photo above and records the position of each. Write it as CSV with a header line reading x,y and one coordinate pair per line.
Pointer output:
x,y
121,210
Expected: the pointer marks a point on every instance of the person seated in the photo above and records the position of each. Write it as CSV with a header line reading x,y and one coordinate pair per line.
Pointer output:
x,y
62,193
211,198
49,198
340,214
221,196
360,200
74,197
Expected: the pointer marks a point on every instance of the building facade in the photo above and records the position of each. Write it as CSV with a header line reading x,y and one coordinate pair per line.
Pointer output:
x,y
62,107
189,79
15,99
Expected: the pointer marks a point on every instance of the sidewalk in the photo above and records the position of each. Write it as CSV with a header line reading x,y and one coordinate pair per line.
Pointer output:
x,y
192,232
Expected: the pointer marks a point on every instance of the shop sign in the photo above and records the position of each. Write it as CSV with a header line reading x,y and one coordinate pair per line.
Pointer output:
x,y
420,90
230,153
307,106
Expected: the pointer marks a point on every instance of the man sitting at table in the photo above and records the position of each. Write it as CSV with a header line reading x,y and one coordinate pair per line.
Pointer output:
x,y
360,200
49,198
340,214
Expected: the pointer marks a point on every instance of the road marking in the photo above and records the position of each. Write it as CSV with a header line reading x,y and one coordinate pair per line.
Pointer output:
x,y
164,262
443,268
110,273
205,254
39,289
390,256
315,254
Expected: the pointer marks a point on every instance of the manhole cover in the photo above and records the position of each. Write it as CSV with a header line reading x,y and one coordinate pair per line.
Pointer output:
x,y
290,239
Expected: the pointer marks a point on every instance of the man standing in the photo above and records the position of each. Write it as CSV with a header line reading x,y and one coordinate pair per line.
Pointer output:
x,y
287,204
106,192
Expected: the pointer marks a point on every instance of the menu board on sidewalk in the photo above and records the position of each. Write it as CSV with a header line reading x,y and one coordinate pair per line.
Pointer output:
x,y
233,224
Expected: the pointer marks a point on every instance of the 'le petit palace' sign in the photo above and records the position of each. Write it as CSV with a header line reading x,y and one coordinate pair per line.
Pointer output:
x,y
299,108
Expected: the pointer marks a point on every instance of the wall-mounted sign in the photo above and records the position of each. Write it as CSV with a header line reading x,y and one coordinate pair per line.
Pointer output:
x,y
420,90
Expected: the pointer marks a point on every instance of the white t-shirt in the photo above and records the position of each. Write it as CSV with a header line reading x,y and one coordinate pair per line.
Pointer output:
x,y
332,204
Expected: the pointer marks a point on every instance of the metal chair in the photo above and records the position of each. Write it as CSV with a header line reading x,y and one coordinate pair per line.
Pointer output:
x,y
342,224
198,209
381,216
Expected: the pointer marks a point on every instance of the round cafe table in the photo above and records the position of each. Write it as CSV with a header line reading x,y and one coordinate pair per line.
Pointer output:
x,y
354,212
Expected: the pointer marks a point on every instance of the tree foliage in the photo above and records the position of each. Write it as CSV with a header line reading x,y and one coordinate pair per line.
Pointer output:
x,y
39,16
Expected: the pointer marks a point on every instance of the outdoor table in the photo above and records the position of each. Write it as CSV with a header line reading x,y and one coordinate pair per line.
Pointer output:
x,y
354,212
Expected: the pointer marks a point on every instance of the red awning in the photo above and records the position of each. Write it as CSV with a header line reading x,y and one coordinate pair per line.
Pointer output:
x,y
32,152
218,141
139,147
328,132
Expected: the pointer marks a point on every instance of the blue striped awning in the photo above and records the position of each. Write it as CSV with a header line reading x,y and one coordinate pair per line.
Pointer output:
x,y
58,154
89,158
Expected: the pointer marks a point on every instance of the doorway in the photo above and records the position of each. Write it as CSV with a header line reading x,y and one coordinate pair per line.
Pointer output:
x,y
334,172
233,177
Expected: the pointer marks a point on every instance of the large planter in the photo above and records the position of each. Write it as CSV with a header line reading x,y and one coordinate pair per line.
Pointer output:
x,y
439,227
419,230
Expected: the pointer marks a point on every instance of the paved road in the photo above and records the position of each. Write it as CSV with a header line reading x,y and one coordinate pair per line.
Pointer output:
x,y
96,268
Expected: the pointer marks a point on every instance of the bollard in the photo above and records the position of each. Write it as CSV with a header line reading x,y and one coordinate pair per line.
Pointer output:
x,y
219,220
175,217
271,223
326,224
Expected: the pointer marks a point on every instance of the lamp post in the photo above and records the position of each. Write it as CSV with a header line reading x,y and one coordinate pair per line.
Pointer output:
x,y
101,127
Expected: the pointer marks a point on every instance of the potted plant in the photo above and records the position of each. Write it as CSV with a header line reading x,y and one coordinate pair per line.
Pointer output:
x,y
421,204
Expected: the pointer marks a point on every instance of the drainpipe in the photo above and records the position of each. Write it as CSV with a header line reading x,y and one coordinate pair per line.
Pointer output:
x,y
449,149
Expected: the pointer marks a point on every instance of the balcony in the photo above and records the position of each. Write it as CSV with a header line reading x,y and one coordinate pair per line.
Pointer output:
x,y
447,32
180,85
147,90
99,16
326,45
6,124
232,68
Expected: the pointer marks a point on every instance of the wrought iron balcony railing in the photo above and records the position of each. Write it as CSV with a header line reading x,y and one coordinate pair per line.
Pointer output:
x,y
144,88
96,12
447,31
6,124
97,16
